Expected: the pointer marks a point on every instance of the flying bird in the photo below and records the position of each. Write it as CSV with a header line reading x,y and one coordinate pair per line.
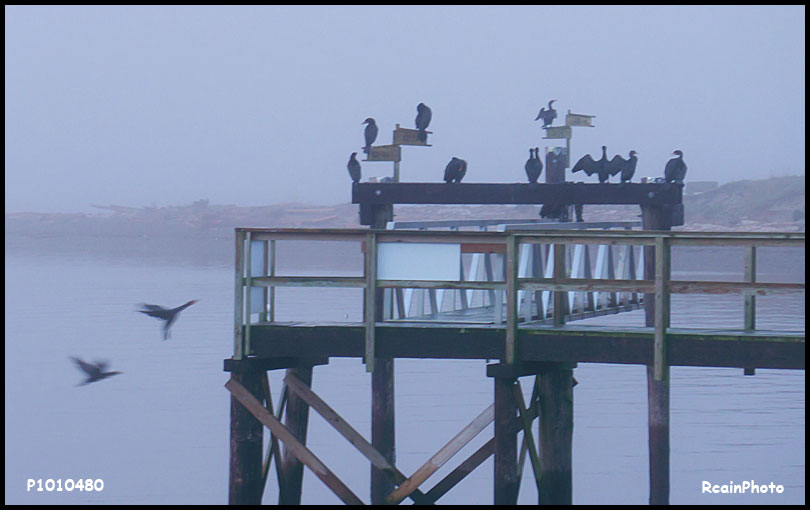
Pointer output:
x,y
455,170
354,168
602,167
548,116
628,167
168,315
371,133
423,120
675,171
534,166
95,371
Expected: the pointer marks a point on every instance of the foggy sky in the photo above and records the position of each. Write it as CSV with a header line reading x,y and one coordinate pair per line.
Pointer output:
x,y
253,105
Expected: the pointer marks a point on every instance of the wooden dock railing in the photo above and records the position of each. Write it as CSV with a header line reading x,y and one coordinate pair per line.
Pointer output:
x,y
657,246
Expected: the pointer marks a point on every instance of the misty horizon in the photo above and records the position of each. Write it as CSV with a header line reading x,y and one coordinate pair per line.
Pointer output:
x,y
146,106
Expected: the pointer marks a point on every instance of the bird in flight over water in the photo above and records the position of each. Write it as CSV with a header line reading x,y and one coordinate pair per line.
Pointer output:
x,y
166,314
95,371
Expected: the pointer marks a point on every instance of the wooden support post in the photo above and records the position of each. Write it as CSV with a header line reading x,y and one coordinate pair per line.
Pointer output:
x,y
750,319
383,437
556,396
653,218
245,480
506,473
559,274
750,276
511,276
239,296
296,422
383,431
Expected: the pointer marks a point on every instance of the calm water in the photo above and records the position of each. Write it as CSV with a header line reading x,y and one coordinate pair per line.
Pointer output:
x,y
159,432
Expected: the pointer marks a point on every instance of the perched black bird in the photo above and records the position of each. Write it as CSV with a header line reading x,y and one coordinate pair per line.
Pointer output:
x,y
628,167
354,168
534,166
422,120
602,167
675,171
455,170
95,372
168,315
555,211
371,133
548,116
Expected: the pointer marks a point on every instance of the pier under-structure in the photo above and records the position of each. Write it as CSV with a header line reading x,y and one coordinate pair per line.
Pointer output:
x,y
518,308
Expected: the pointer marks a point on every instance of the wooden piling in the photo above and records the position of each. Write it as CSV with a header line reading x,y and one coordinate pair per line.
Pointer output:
x,y
556,396
383,430
296,421
245,477
655,218
506,472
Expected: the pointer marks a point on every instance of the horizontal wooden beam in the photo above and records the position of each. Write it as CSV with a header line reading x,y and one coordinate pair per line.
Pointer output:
x,y
587,344
264,364
515,193
307,281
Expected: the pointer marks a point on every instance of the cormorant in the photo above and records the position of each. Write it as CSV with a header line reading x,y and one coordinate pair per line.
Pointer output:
x,y
168,315
548,116
455,170
675,171
371,133
554,210
602,167
422,120
534,166
628,167
354,168
95,372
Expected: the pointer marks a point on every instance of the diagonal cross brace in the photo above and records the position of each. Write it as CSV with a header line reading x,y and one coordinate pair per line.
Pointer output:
x,y
347,431
296,448
442,456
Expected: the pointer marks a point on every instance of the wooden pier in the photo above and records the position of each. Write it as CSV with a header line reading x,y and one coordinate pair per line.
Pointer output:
x,y
538,281
525,346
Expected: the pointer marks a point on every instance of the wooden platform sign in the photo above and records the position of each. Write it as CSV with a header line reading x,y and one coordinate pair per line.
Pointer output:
x,y
576,119
558,132
384,153
404,136
418,261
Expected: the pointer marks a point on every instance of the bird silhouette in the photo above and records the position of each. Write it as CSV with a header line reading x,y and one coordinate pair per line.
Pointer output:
x,y
455,170
675,171
166,314
95,371
354,167
423,120
548,116
534,166
602,167
371,133
628,166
